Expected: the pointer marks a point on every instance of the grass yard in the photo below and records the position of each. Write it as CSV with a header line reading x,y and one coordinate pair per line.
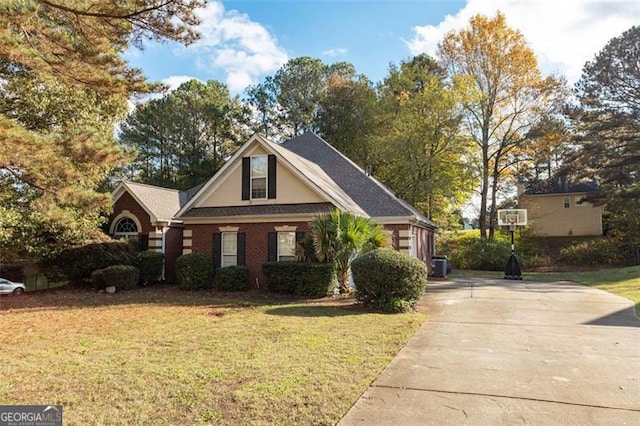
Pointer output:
x,y
164,356
624,282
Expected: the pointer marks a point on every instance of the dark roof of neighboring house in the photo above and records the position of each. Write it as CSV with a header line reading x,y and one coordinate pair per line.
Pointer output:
x,y
372,196
561,186
260,210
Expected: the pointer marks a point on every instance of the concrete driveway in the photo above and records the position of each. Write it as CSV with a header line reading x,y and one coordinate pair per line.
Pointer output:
x,y
498,352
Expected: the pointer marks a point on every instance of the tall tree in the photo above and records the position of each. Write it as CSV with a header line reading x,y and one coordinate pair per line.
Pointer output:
x,y
506,95
606,123
182,139
606,126
291,97
347,117
61,95
426,155
545,152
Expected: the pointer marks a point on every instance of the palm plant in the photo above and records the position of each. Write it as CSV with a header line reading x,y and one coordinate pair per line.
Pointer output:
x,y
339,237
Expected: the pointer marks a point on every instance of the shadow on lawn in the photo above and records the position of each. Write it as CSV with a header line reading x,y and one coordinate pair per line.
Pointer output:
x,y
168,295
318,311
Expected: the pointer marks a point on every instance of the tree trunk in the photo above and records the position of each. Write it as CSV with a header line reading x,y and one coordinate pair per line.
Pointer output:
x,y
482,220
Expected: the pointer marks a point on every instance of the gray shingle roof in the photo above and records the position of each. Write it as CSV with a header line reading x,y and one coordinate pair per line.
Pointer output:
x,y
372,196
561,186
162,203
260,210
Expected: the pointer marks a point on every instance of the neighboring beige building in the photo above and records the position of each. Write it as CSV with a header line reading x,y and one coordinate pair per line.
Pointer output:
x,y
558,209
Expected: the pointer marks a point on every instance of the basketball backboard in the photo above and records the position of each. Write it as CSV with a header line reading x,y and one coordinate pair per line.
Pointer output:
x,y
515,217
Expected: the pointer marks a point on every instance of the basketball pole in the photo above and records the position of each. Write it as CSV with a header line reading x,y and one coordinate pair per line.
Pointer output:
x,y
512,270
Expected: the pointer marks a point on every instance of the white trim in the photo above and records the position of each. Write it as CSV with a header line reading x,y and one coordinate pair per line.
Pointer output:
x,y
187,242
286,228
265,177
119,192
186,251
216,180
187,233
229,228
278,243
124,214
271,148
248,219
234,238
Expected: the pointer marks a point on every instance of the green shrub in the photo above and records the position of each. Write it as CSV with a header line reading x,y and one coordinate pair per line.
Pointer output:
x,y
150,264
598,251
467,251
300,278
232,278
97,279
194,271
123,277
389,280
76,264
305,250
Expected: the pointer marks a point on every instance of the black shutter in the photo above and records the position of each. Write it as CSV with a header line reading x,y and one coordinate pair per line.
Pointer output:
x,y
217,250
246,178
299,236
273,246
241,248
143,242
271,179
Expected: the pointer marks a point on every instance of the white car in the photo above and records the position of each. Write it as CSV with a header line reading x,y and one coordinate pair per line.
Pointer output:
x,y
9,287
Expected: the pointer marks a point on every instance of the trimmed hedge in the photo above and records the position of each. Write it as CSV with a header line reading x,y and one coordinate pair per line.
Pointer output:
x,y
123,277
76,264
300,278
389,280
150,264
232,278
194,271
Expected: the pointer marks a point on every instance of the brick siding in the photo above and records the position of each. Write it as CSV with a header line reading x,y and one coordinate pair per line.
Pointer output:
x,y
127,202
256,243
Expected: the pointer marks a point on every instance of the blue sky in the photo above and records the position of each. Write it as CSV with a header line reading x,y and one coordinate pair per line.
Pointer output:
x,y
245,40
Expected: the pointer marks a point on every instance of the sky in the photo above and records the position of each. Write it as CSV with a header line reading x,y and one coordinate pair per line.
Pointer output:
x,y
242,41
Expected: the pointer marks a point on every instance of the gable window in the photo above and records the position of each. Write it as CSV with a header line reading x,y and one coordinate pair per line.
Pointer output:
x,y
286,246
581,201
566,202
229,249
126,229
259,177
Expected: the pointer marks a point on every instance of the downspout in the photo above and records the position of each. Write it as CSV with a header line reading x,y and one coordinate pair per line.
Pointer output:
x,y
164,247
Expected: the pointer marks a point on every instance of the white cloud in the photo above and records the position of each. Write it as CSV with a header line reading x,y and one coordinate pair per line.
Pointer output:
x,y
339,51
176,80
563,34
231,41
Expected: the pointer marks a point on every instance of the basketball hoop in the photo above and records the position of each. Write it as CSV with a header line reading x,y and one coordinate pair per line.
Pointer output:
x,y
512,218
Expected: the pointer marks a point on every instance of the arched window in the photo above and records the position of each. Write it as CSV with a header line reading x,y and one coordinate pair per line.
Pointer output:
x,y
126,229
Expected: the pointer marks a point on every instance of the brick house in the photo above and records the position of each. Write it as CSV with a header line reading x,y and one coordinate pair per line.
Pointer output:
x,y
557,207
262,200
145,214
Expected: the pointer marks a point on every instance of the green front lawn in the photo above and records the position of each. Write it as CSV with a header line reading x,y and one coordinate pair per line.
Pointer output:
x,y
164,356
